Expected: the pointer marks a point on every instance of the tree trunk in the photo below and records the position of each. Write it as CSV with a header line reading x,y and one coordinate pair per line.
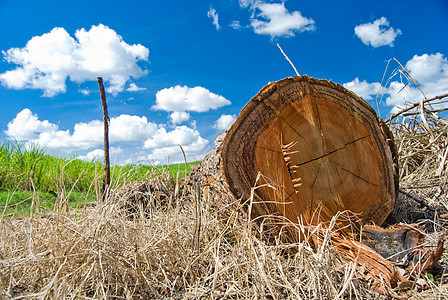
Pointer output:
x,y
317,148
307,150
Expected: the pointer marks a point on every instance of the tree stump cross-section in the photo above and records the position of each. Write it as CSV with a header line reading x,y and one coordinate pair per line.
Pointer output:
x,y
306,150
319,148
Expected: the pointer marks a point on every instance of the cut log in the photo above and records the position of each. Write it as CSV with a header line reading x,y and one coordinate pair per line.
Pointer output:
x,y
314,153
318,149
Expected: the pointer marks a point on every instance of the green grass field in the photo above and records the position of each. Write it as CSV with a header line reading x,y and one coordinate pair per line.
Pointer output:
x,y
33,181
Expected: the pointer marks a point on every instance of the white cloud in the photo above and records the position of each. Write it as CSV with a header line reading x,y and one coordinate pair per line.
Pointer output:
x,y
429,70
134,88
224,122
377,34
27,126
166,143
246,3
85,92
275,20
193,152
235,25
95,155
181,135
48,60
132,132
193,124
178,117
131,128
98,154
399,97
182,98
212,14
363,88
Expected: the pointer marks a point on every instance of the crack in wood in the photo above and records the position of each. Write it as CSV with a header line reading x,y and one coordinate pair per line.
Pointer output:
x,y
312,188
331,152
338,173
319,123
357,176
330,188
343,169
293,129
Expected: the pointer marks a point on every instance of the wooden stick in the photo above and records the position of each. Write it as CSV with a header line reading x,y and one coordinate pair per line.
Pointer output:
x,y
106,183
287,58
417,200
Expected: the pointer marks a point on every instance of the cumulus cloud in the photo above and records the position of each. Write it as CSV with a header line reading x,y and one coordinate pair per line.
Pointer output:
x,y
98,154
193,152
212,14
155,141
95,155
131,128
363,88
429,70
166,143
181,135
134,88
275,20
431,73
27,126
376,34
224,122
178,117
48,60
183,98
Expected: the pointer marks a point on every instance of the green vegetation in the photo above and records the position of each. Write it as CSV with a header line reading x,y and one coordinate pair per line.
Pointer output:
x,y
31,180
22,203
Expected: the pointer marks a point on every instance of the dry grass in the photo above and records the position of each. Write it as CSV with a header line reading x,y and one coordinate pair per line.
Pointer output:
x,y
421,137
150,241
106,252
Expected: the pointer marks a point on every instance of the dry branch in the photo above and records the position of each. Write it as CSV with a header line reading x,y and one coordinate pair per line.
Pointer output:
x,y
415,105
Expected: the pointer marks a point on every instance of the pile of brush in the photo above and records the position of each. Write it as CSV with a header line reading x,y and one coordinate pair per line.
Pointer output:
x,y
421,138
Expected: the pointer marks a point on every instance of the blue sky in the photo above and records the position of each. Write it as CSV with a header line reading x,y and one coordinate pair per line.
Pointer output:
x,y
179,72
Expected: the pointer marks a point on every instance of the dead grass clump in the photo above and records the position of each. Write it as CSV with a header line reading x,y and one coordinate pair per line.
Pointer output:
x,y
143,197
105,252
421,137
